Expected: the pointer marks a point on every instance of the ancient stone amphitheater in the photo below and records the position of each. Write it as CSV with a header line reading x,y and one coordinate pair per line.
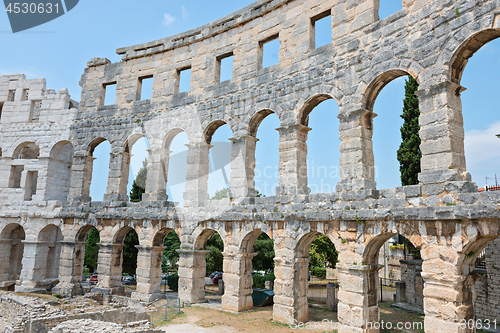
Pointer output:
x,y
47,141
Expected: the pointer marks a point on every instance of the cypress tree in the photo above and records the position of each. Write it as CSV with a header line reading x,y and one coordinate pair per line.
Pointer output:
x,y
409,153
139,184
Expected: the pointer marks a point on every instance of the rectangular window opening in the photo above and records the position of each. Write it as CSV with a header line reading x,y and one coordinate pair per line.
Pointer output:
x,y
146,87
321,30
110,93
184,81
387,8
30,189
270,49
15,176
224,70
12,96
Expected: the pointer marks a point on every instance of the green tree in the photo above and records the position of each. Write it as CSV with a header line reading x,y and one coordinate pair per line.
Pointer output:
x,y
409,153
130,252
91,250
170,255
264,247
139,184
222,194
214,258
322,250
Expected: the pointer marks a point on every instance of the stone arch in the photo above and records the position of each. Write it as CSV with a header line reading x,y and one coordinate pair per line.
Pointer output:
x,y
256,120
374,87
131,140
245,127
27,150
212,127
466,50
471,252
305,106
92,145
170,136
52,236
59,171
248,240
11,252
119,236
81,234
204,231
160,235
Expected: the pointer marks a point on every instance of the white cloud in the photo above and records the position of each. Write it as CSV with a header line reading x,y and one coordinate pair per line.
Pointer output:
x,y
482,145
168,19
185,13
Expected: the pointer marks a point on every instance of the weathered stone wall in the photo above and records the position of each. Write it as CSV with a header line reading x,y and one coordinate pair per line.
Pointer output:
x,y
487,303
411,275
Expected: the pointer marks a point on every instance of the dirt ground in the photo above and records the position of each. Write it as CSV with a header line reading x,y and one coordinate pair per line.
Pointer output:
x,y
205,320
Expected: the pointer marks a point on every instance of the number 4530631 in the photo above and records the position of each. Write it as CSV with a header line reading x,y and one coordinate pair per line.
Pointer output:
x,y
38,8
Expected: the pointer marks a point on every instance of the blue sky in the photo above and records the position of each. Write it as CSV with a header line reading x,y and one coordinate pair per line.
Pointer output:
x,y
60,49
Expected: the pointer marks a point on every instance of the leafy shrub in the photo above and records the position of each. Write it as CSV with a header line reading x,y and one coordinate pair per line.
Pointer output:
x,y
173,281
259,281
318,272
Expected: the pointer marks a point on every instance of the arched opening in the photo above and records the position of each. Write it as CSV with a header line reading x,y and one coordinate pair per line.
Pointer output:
x,y
163,274
211,241
90,235
217,135
258,255
59,171
100,149
51,237
263,127
11,255
27,151
400,262
137,147
323,167
176,164
476,67
396,140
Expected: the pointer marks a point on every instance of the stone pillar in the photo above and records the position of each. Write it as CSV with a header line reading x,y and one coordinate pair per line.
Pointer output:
x,y
269,285
81,176
197,173
119,168
70,269
192,269
148,273
221,287
442,134
5,245
401,292
290,290
448,298
156,182
330,296
293,160
238,281
109,267
357,304
242,182
34,266
357,171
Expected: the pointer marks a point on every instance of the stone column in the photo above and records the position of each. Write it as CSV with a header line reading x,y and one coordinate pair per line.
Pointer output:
x,y
331,288
293,160
192,270
34,265
70,269
156,182
238,281
197,173
119,168
357,304
242,182
441,134
81,176
109,267
448,297
148,273
357,171
290,290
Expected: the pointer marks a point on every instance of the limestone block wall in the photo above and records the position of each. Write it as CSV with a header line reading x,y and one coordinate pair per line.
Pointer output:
x,y
411,274
487,303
